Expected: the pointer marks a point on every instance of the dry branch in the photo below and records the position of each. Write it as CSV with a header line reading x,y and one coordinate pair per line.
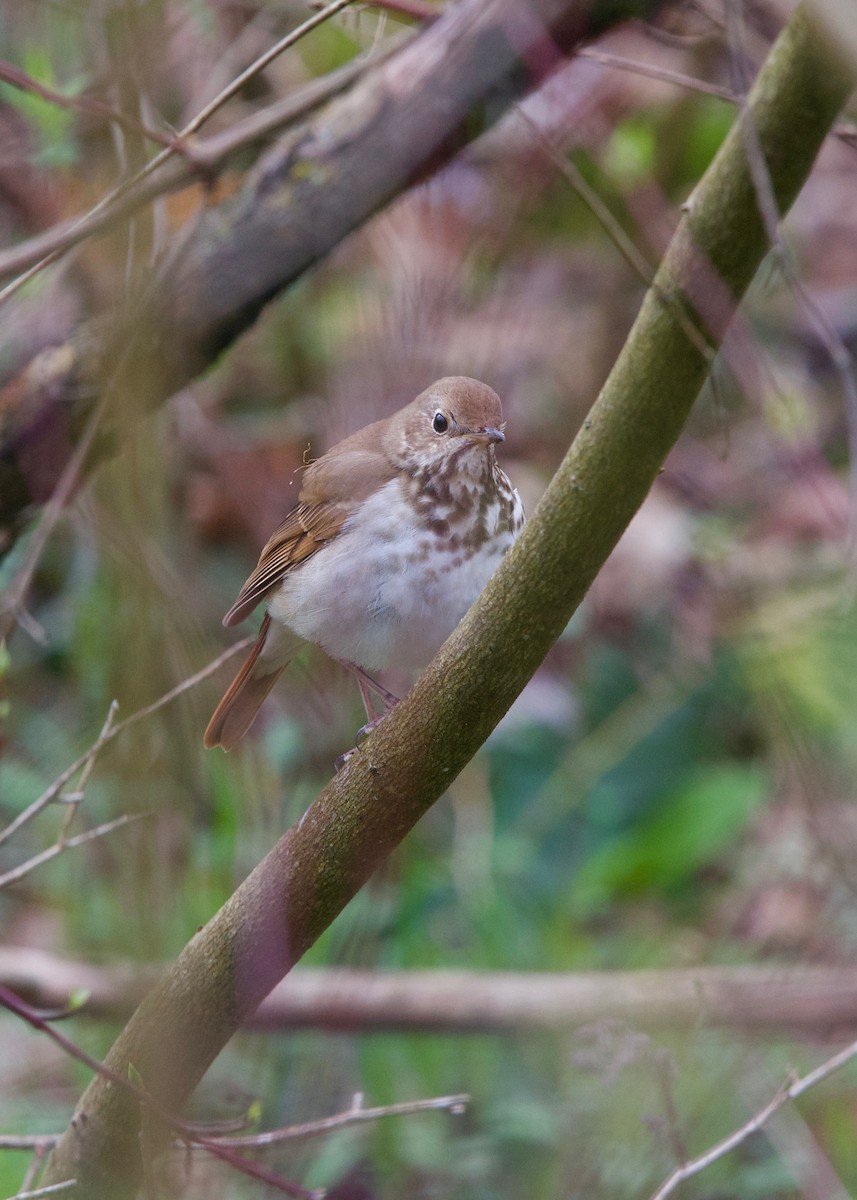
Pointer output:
x,y
790,1090
812,1000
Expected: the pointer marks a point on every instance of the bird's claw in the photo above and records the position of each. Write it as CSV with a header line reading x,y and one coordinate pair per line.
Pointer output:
x,y
340,762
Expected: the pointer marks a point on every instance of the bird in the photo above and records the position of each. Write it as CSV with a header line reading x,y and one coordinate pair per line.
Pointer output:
x,y
396,531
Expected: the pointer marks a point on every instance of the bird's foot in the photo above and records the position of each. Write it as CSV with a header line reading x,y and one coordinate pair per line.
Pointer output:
x,y
361,736
340,762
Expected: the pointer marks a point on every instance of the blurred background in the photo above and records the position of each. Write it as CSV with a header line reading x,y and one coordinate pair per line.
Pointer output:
x,y
674,788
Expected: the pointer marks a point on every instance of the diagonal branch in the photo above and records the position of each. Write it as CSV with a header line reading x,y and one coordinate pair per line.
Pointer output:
x,y
108,733
366,810
791,1089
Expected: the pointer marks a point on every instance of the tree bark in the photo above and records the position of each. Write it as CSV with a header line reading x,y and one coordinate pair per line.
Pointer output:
x,y
228,968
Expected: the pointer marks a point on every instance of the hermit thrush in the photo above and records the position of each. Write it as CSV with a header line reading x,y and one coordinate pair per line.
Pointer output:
x,y
396,531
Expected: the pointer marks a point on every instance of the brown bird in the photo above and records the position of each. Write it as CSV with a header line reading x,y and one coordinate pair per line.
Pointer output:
x,y
396,531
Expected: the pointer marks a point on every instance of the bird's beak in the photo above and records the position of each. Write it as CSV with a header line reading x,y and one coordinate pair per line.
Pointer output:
x,y
487,437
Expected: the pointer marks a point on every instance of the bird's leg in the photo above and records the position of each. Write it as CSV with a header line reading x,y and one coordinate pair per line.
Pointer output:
x,y
366,697
365,682
367,686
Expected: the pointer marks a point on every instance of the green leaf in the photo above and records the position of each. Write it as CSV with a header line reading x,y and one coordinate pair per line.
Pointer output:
x,y
78,998
692,827
630,153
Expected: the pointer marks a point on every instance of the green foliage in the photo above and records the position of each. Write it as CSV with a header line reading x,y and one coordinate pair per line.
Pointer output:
x,y
693,825
630,154
328,47
711,121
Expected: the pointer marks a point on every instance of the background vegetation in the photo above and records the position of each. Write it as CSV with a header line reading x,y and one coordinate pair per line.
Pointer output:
x,y
675,786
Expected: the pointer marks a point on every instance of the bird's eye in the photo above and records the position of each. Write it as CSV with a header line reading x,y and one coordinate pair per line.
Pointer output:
x,y
439,423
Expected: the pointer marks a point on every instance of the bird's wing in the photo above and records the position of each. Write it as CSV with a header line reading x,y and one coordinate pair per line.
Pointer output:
x,y
304,531
332,487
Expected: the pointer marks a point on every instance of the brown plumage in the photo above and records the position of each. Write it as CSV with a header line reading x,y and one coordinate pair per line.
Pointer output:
x,y
396,530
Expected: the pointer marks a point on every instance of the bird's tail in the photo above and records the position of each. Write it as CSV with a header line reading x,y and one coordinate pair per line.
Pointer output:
x,y
244,697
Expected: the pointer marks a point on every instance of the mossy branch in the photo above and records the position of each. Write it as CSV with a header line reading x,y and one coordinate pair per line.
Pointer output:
x,y
359,818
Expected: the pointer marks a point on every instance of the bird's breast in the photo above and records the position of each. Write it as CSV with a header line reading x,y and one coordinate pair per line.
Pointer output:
x,y
406,566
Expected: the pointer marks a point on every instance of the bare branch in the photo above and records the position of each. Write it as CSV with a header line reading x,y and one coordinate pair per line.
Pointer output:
x,y
208,156
264,60
355,1115
66,843
85,764
790,1090
806,1001
690,82
110,731
28,1141
180,142
74,800
51,1189
87,104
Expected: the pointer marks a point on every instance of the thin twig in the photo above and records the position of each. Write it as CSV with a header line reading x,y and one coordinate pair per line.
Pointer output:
x,y
109,733
51,1189
18,873
14,1003
352,1116
88,767
790,1090
662,73
17,78
264,60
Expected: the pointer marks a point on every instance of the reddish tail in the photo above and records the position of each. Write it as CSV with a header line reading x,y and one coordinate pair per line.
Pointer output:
x,y
244,697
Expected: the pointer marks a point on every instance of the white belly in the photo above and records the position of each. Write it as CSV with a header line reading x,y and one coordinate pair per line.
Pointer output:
x,y
384,593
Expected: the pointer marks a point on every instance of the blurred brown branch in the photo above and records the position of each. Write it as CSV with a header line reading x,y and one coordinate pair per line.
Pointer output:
x,y
815,1001
402,121
200,160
